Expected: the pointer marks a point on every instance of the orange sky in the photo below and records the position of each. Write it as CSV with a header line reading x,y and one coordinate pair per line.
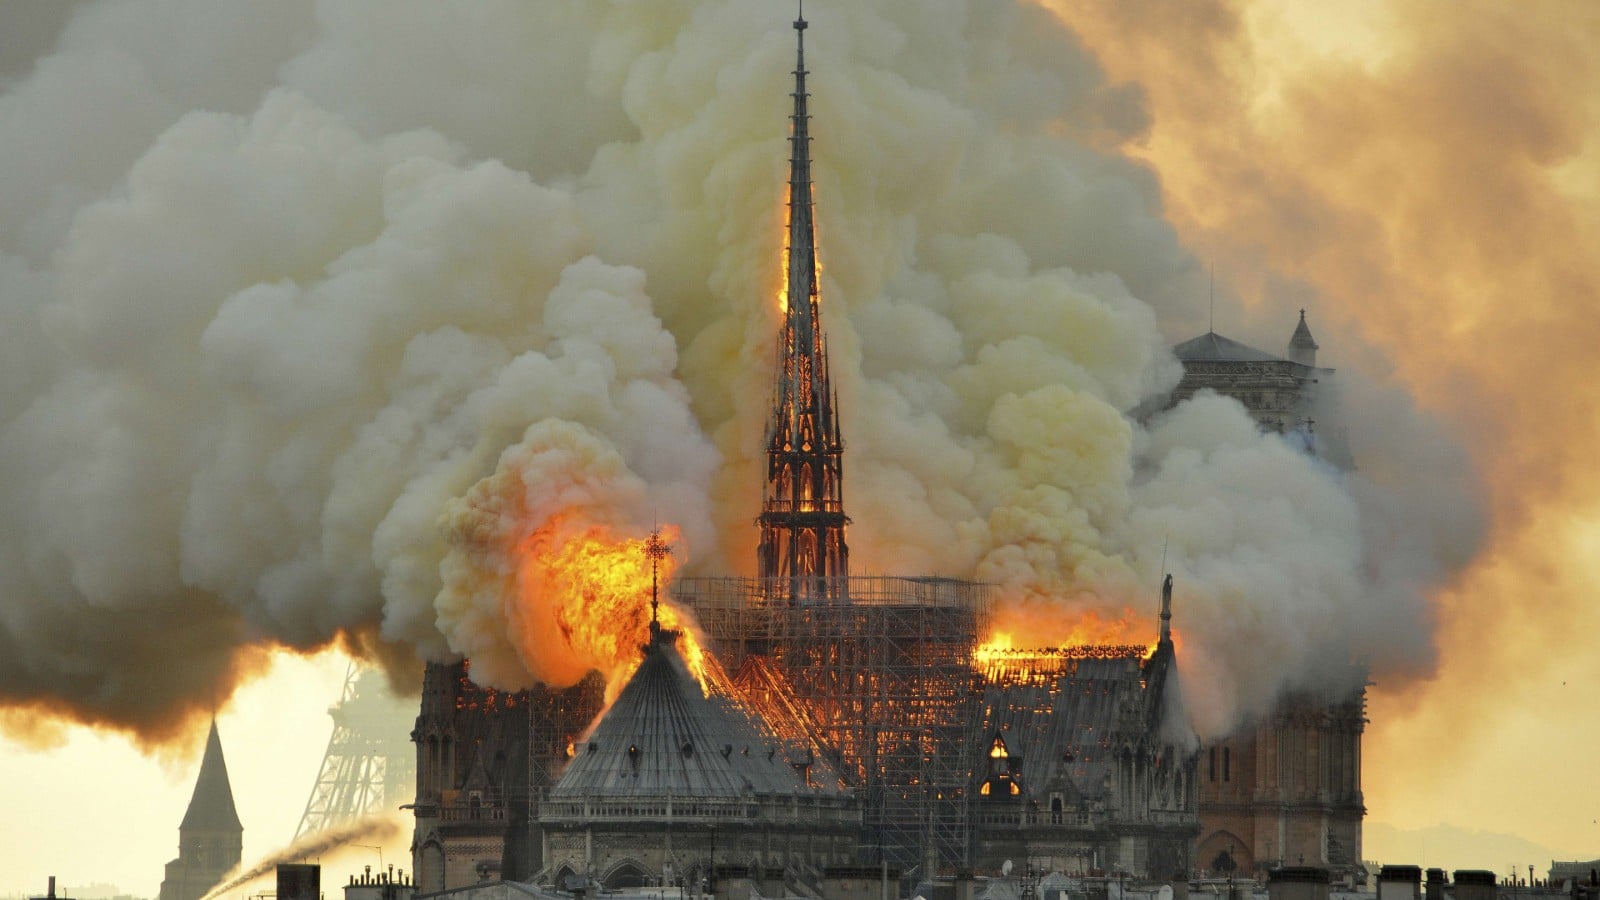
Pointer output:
x,y
1426,179
1429,172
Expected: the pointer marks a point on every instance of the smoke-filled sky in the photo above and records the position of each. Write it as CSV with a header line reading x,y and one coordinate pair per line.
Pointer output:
x,y
313,312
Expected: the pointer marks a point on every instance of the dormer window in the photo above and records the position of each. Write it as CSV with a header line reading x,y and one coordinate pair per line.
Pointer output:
x,y
1003,771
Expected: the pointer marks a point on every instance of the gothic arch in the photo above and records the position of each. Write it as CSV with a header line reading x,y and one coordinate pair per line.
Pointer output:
x,y
430,859
626,873
1219,848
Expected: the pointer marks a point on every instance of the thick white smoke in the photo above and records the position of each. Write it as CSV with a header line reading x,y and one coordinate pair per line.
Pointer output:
x,y
299,323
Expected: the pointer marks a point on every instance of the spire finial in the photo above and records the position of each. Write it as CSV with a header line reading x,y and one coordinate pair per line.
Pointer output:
x,y
656,549
1211,315
1166,609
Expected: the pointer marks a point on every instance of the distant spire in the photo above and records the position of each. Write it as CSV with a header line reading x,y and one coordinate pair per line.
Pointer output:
x,y
211,807
1302,347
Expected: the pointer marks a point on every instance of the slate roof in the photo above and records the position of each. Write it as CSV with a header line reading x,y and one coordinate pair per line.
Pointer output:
x,y
1213,347
1063,731
664,736
211,808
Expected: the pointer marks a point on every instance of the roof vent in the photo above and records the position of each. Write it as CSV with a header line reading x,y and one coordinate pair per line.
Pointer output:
x,y
594,746
727,750
688,749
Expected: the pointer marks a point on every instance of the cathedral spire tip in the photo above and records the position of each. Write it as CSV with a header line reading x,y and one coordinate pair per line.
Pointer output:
x,y
1166,609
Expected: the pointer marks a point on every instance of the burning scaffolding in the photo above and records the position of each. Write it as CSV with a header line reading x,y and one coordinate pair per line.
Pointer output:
x,y
884,679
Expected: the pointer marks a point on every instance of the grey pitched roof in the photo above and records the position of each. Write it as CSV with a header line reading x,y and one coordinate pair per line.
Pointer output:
x,y
1063,731
1214,347
664,736
211,808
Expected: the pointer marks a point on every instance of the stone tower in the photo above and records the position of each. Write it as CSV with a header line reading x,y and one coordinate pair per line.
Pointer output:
x,y
1285,789
210,838
802,553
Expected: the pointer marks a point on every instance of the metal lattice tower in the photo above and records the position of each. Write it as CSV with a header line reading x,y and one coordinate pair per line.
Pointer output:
x,y
370,765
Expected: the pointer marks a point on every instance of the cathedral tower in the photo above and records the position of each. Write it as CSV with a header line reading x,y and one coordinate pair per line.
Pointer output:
x,y
210,838
802,555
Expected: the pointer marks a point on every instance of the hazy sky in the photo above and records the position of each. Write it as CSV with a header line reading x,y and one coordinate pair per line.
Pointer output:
x,y
284,286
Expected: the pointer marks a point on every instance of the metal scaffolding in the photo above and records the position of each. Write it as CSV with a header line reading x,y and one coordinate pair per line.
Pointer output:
x,y
886,681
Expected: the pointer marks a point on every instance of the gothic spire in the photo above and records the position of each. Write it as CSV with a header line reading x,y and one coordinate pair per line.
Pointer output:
x,y
802,294
802,519
211,807
1302,347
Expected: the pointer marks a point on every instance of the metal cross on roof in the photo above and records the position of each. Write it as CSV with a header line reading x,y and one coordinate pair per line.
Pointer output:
x,y
656,549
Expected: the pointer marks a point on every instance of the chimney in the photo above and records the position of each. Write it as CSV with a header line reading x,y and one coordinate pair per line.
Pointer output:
x,y
1400,883
1475,884
1437,882
1299,883
299,881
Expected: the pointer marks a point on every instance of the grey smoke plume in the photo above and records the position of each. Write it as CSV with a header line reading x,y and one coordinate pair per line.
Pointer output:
x,y
324,270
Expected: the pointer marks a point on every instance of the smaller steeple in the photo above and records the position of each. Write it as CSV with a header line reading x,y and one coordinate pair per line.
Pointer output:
x,y
1302,348
211,807
1161,669
210,838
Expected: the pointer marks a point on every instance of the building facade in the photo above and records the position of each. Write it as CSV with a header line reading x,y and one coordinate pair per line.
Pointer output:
x,y
483,759
1285,789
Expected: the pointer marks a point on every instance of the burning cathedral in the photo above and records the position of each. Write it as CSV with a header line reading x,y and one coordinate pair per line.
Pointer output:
x,y
832,721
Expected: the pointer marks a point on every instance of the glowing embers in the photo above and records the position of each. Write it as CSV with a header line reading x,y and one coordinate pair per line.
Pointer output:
x,y
1004,769
585,595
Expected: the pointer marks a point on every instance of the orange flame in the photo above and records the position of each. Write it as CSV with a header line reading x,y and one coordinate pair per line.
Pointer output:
x,y
1047,627
596,586
1055,638
783,261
